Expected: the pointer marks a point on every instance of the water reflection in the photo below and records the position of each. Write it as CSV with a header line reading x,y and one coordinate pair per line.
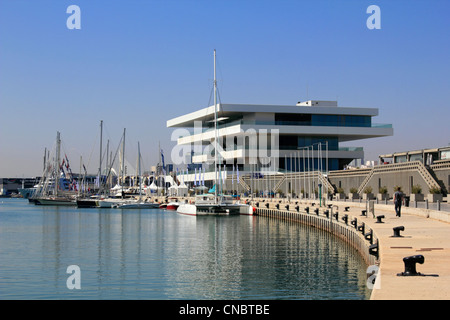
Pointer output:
x,y
155,254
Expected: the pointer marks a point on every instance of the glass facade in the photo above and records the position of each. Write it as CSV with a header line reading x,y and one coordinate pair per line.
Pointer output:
x,y
323,120
299,142
340,120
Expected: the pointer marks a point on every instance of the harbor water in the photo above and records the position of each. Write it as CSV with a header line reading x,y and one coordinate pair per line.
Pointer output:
x,y
157,254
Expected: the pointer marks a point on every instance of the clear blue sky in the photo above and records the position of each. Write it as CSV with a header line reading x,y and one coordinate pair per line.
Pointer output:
x,y
136,64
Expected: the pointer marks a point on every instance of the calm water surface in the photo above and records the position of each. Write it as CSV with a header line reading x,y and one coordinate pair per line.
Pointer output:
x,y
157,254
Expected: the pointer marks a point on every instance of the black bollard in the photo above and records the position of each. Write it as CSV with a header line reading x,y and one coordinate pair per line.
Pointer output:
x,y
277,206
307,209
363,212
354,223
362,228
397,231
336,216
410,265
316,211
326,213
286,207
297,208
373,249
257,204
345,218
267,205
379,219
346,209
369,236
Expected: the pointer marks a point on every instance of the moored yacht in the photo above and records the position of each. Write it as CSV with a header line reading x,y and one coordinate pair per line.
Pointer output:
x,y
205,205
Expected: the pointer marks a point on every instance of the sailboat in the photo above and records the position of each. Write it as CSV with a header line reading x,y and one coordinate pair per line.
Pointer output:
x,y
91,202
213,204
118,197
139,203
52,179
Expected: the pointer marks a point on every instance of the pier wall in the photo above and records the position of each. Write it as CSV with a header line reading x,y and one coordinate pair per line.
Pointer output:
x,y
356,233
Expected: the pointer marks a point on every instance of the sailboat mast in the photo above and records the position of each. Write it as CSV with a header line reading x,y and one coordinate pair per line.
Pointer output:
x,y
100,161
58,156
123,160
215,128
139,176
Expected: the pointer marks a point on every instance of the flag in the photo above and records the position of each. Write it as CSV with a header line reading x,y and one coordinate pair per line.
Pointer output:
x,y
232,177
162,158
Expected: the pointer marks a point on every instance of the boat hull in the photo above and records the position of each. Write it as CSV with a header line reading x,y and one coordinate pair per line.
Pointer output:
x,y
203,210
55,202
139,206
86,203
172,206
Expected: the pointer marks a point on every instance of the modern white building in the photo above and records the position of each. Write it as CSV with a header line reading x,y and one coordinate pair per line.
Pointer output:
x,y
253,137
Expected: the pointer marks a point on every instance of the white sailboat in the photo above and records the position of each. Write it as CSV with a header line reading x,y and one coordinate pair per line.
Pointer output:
x,y
212,204
52,179
139,203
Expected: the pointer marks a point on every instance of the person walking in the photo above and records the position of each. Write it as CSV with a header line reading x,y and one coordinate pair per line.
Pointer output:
x,y
398,200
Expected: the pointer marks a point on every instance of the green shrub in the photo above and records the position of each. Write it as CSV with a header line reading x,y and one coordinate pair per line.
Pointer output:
x,y
383,190
435,190
368,189
416,189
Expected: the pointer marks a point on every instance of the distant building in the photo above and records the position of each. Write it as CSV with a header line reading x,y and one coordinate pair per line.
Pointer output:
x,y
426,156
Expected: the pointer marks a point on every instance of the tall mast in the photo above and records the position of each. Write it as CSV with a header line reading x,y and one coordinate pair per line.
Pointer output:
x,y
139,176
58,156
123,160
45,159
215,128
100,162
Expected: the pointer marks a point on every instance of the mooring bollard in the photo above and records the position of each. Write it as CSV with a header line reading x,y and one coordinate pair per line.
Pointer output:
x,y
257,204
363,212
362,228
336,215
373,249
345,218
297,208
316,211
410,265
307,209
369,236
397,231
277,206
326,213
346,209
286,207
379,219
354,223
267,205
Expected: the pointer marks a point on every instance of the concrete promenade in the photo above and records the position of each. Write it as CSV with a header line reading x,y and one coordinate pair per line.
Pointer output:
x,y
422,235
